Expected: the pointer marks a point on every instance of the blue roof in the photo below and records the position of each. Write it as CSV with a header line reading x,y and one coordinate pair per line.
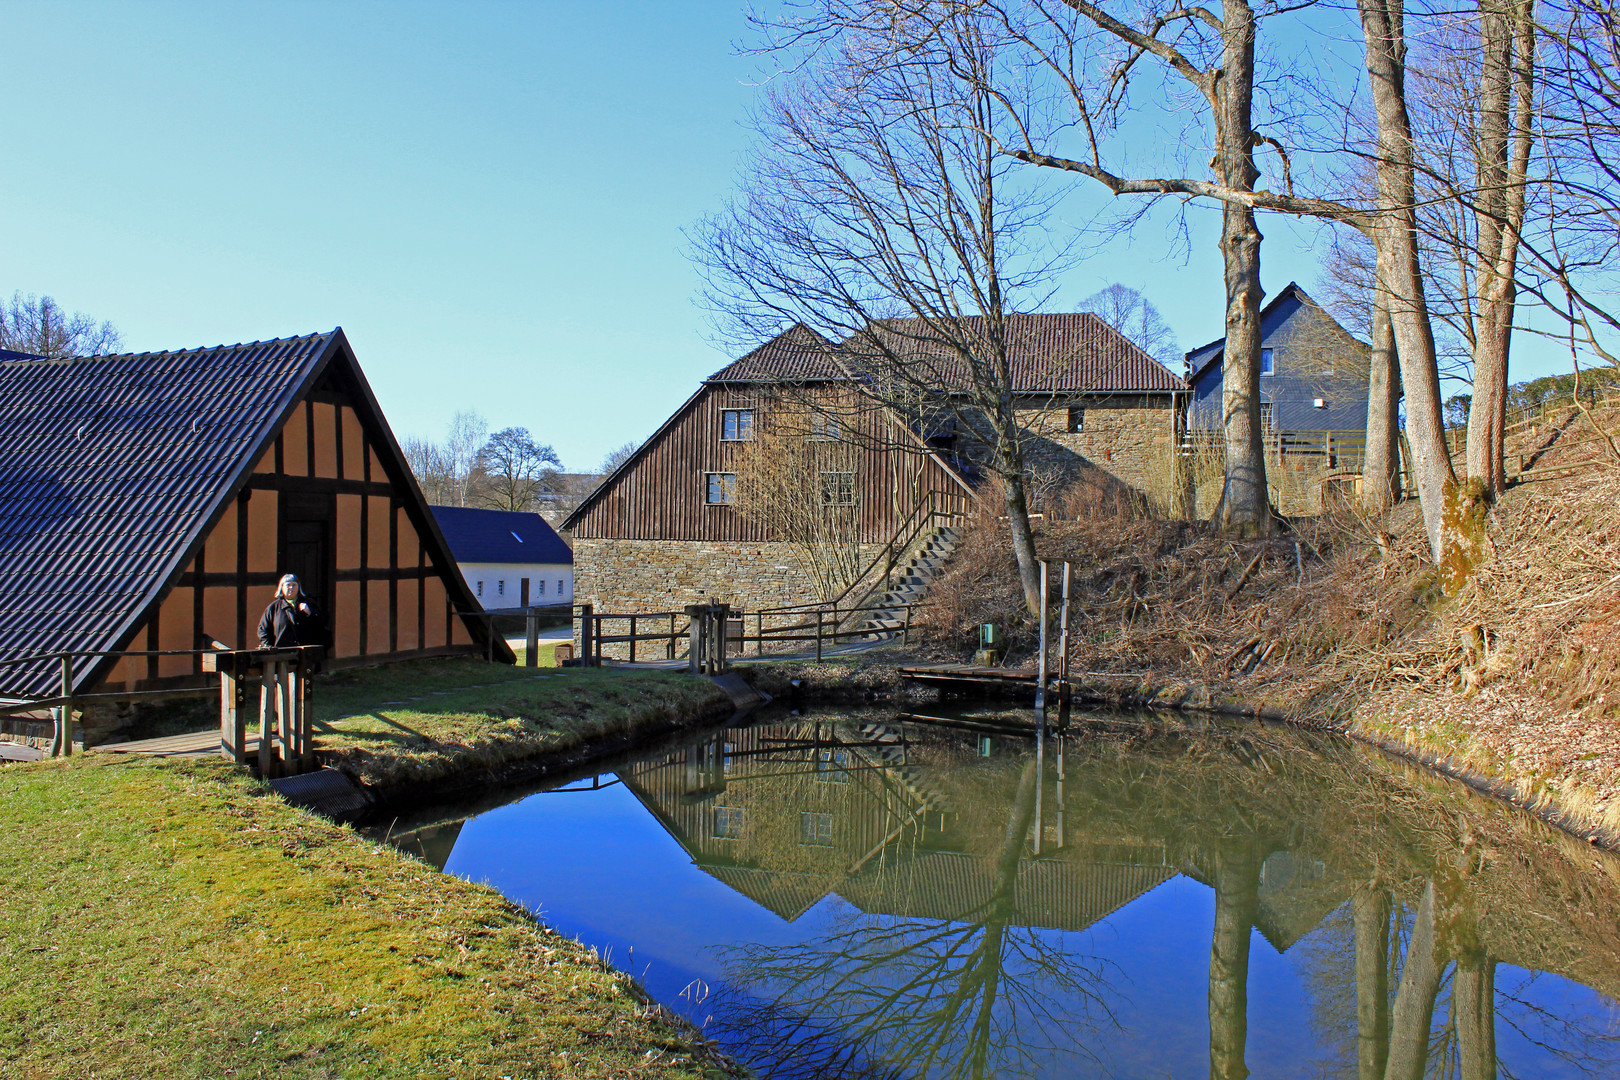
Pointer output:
x,y
500,536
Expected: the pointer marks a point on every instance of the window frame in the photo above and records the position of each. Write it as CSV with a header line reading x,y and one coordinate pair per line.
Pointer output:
x,y
1077,419
743,431
727,489
815,828
1268,362
734,817
839,490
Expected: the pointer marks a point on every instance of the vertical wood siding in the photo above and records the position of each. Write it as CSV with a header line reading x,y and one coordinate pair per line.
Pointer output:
x,y
662,496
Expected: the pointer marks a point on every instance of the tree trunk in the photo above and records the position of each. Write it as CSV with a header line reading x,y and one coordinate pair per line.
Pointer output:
x,y
1414,1001
1380,469
1244,508
1370,909
1506,95
1023,539
1237,897
1400,278
1473,1000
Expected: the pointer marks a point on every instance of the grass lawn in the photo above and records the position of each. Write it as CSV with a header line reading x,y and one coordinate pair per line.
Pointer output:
x,y
420,721
176,919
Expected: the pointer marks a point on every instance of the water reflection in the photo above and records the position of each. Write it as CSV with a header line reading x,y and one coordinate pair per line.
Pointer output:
x,y
971,902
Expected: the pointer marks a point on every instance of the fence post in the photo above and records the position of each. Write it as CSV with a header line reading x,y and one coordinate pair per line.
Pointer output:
x,y
585,613
905,636
62,741
759,633
267,718
232,720
818,635
697,617
531,638
1040,679
632,639
671,642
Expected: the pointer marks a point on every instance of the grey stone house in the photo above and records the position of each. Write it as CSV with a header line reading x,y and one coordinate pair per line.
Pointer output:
x,y
1313,399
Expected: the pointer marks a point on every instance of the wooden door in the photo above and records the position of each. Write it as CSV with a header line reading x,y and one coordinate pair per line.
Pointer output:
x,y
308,546
525,590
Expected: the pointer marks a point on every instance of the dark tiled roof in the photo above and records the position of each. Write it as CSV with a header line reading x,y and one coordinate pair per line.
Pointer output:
x,y
109,468
1070,353
1058,353
500,536
797,354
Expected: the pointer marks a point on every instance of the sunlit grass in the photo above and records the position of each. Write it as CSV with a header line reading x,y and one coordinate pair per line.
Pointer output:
x,y
424,720
176,919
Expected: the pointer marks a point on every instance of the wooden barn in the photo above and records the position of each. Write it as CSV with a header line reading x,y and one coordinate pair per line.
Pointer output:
x,y
688,519
668,526
150,501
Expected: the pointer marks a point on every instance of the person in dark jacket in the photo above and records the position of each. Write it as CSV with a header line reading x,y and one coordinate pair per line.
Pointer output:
x,y
290,620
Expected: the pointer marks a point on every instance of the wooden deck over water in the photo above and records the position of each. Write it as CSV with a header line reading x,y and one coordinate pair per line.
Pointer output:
x,y
191,744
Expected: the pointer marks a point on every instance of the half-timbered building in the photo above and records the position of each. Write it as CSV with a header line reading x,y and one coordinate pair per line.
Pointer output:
x,y
149,502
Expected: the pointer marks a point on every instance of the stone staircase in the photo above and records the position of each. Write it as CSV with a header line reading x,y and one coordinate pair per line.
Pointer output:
x,y
908,584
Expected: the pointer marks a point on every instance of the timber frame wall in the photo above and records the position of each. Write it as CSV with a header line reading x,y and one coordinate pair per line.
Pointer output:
x,y
388,594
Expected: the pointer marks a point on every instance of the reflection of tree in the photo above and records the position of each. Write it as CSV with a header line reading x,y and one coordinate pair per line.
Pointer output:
x,y
974,996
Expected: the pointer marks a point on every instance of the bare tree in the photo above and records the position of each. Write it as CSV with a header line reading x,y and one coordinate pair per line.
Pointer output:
x,y
1352,292
1129,312
617,457
38,325
514,469
802,490
879,212
468,433
433,469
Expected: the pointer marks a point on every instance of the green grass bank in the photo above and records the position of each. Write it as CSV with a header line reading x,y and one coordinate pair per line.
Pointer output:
x,y
177,919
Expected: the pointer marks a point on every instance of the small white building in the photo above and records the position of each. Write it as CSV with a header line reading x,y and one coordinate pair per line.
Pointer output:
x,y
509,558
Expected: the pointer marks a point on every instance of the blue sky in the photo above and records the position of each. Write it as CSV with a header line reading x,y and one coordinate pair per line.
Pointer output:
x,y
487,197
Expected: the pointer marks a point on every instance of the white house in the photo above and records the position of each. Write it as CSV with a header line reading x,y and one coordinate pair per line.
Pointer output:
x,y
510,559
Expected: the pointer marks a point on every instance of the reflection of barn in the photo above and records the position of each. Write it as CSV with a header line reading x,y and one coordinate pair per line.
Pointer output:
x,y
787,814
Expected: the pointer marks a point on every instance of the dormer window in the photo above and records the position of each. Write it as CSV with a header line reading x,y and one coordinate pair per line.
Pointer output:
x,y
1265,362
736,425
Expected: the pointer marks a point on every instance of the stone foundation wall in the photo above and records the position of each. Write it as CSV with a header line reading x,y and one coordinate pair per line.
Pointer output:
x,y
1130,440
623,576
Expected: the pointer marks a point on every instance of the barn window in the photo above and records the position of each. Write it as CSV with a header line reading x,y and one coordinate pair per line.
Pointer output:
x,y
721,488
826,426
728,822
1077,419
500,587
559,587
542,583
815,829
1265,362
837,489
736,425
480,586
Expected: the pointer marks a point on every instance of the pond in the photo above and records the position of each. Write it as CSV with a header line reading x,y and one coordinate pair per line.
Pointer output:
x,y
861,894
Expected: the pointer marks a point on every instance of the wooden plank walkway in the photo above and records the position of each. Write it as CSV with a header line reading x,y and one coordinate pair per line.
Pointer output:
x,y
965,675
191,744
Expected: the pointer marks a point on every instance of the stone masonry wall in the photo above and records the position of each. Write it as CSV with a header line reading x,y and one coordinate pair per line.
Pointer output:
x,y
1124,437
623,576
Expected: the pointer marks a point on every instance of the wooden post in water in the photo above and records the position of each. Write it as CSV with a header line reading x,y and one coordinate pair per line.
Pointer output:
x,y
1063,638
1040,677
719,621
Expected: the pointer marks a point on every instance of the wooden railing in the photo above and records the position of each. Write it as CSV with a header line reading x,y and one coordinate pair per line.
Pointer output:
x,y
661,635
284,744
826,623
